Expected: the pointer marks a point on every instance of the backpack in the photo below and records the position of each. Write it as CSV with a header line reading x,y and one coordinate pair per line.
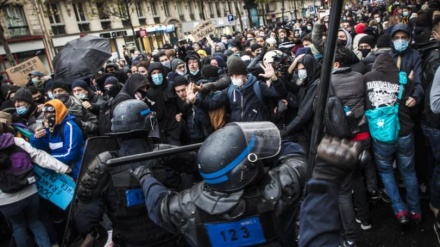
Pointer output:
x,y
257,91
16,169
336,121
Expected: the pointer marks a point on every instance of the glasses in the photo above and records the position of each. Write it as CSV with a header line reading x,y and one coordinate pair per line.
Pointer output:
x,y
48,108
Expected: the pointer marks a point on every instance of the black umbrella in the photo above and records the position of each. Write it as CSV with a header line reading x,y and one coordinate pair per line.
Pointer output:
x,y
81,58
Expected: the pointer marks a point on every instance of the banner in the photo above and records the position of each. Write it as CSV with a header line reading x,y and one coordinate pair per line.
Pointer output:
x,y
55,187
202,30
19,74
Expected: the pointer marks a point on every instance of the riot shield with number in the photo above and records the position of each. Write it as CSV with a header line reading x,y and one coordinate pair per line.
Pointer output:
x,y
93,147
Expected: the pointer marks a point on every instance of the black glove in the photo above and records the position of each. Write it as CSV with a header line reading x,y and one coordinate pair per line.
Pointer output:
x,y
140,172
336,158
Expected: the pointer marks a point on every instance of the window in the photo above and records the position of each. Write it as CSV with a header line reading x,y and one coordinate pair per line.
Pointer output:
x,y
154,8
79,12
54,16
101,11
16,21
166,8
217,8
139,11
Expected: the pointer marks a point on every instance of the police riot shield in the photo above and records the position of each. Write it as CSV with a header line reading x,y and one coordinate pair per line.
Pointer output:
x,y
93,147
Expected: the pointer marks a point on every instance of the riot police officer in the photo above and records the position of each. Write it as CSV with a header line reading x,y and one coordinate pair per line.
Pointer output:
x,y
112,190
240,202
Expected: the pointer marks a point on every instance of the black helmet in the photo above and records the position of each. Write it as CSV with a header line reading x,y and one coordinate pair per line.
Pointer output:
x,y
229,159
132,116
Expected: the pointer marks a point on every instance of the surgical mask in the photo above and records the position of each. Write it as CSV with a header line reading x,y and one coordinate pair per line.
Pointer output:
x,y
400,45
302,74
167,64
405,13
81,96
62,96
181,72
157,79
238,82
50,95
377,19
309,28
364,52
194,72
34,80
21,110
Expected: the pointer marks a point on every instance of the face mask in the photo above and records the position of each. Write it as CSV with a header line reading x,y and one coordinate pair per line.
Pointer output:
x,y
309,28
21,110
238,82
364,52
81,96
34,80
63,97
181,72
51,123
400,45
50,95
377,19
194,72
342,42
39,100
302,74
224,41
166,64
112,92
157,79
405,14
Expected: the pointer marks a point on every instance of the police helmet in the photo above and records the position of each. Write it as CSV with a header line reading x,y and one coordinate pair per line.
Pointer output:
x,y
230,158
132,116
280,61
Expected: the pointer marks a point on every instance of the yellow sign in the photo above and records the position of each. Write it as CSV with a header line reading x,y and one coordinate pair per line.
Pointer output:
x,y
19,74
202,30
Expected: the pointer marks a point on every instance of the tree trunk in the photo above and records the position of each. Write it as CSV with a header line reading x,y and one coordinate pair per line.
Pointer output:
x,y
239,15
127,9
6,46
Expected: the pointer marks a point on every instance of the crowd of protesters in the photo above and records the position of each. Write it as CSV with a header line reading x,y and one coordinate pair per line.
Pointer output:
x,y
197,87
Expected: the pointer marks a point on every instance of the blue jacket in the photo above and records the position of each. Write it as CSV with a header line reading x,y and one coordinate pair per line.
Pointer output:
x,y
67,147
243,104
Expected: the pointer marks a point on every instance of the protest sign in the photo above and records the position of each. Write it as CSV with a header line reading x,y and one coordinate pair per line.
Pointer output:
x,y
202,30
55,187
19,74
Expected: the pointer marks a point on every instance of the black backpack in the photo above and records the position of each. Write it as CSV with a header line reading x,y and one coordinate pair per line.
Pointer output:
x,y
336,121
16,169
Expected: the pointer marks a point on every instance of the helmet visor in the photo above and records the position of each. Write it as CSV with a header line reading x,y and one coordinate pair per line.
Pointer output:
x,y
263,139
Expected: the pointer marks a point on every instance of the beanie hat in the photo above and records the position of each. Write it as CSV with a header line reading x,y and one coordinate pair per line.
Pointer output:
x,y
60,84
111,80
80,83
368,40
360,28
231,58
254,47
202,52
209,71
303,50
176,62
384,41
179,81
237,67
220,61
24,94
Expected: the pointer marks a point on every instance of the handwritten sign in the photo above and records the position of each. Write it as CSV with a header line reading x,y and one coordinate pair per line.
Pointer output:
x,y
55,187
19,74
202,30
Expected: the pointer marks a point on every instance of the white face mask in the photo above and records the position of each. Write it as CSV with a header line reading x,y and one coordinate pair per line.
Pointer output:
x,y
377,19
238,82
302,74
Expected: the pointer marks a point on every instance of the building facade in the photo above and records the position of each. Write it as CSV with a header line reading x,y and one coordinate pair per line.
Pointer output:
x,y
42,28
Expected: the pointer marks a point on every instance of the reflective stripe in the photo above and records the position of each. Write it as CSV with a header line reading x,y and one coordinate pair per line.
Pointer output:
x,y
145,112
220,175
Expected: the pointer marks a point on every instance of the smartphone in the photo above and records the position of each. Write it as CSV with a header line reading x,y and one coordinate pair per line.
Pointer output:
x,y
39,124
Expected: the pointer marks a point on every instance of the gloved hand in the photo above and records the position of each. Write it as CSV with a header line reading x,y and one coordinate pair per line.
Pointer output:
x,y
140,172
336,158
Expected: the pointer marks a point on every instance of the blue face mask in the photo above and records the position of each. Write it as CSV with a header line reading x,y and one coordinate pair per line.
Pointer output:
x,y
194,72
21,110
81,96
400,45
50,95
157,79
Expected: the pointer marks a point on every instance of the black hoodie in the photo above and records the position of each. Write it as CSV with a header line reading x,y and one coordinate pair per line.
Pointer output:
x,y
382,89
130,88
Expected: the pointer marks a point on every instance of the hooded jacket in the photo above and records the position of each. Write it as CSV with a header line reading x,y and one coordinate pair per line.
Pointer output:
x,y
382,89
89,121
411,61
67,147
306,96
164,102
130,88
39,157
172,74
